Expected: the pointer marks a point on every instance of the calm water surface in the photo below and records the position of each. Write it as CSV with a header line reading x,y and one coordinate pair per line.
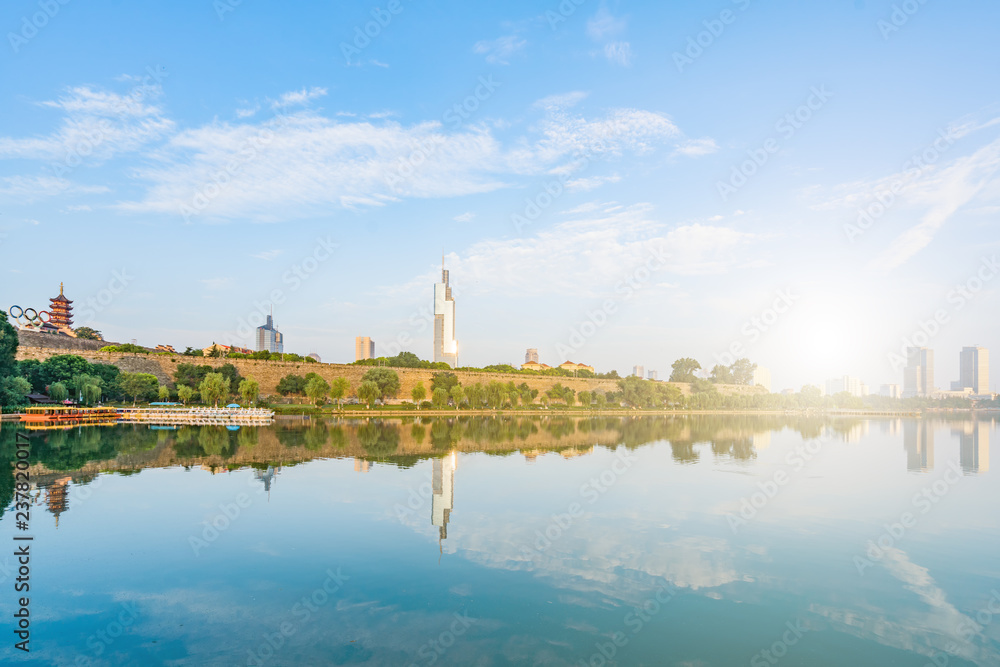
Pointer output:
x,y
688,541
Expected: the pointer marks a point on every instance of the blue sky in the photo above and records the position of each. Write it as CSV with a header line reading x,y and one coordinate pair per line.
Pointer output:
x,y
213,154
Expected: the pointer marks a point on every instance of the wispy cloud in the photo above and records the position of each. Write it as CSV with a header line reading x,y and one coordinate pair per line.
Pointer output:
x,y
298,97
465,217
619,53
32,188
267,255
500,50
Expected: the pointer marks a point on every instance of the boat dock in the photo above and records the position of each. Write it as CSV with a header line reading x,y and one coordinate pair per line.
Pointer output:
x,y
197,416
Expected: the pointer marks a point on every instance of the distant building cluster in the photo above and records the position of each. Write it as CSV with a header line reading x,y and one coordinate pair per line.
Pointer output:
x,y
973,380
531,363
851,385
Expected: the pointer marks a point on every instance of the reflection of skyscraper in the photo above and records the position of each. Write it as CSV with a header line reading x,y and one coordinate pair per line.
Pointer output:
x,y
918,440
974,447
761,441
445,345
360,465
443,485
266,477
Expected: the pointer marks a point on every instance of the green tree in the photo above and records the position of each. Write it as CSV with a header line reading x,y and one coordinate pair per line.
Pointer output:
x,y
385,379
600,399
474,393
291,384
584,397
163,393
742,371
317,388
191,375
86,333
418,392
495,394
721,374
339,389
444,380
249,390
184,393
439,398
457,394
14,391
683,370
138,385
87,388
8,346
369,392
58,392
214,388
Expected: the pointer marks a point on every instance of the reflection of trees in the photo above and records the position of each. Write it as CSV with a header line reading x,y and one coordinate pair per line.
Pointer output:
x,y
418,433
738,448
316,437
379,438
214,440
247,438
337,437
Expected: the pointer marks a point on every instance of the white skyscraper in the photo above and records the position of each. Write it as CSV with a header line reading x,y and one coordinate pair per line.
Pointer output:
x,y
445,345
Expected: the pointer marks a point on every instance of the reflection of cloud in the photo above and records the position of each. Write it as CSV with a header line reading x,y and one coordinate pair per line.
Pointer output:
x,y
927,630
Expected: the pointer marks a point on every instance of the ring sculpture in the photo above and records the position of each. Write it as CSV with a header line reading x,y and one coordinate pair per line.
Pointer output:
x,y
29,318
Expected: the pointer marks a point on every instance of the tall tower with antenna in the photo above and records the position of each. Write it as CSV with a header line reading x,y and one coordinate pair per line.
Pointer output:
x,y
445,345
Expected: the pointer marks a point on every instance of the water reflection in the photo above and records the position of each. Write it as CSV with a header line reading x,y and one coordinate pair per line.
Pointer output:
x,y
918,440
544,581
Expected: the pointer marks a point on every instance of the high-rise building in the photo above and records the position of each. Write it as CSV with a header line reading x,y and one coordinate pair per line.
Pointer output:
x,y
974,370
851,385
918,376
364,348
445,345
889,391
638,371
762,378
652,375
270,339
531,356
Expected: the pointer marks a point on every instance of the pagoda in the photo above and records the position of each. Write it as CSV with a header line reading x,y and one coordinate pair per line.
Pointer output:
x,y
61,311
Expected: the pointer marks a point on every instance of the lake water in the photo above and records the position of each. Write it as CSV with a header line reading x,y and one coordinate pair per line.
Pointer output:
x,y
694,541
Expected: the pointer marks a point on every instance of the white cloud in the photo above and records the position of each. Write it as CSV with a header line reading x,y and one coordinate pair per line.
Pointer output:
x,y
560,101
465,217
267,255
247,112
97,125
619,53
589,254
604,25
298,97
499,50
697,147
28,189
587,184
